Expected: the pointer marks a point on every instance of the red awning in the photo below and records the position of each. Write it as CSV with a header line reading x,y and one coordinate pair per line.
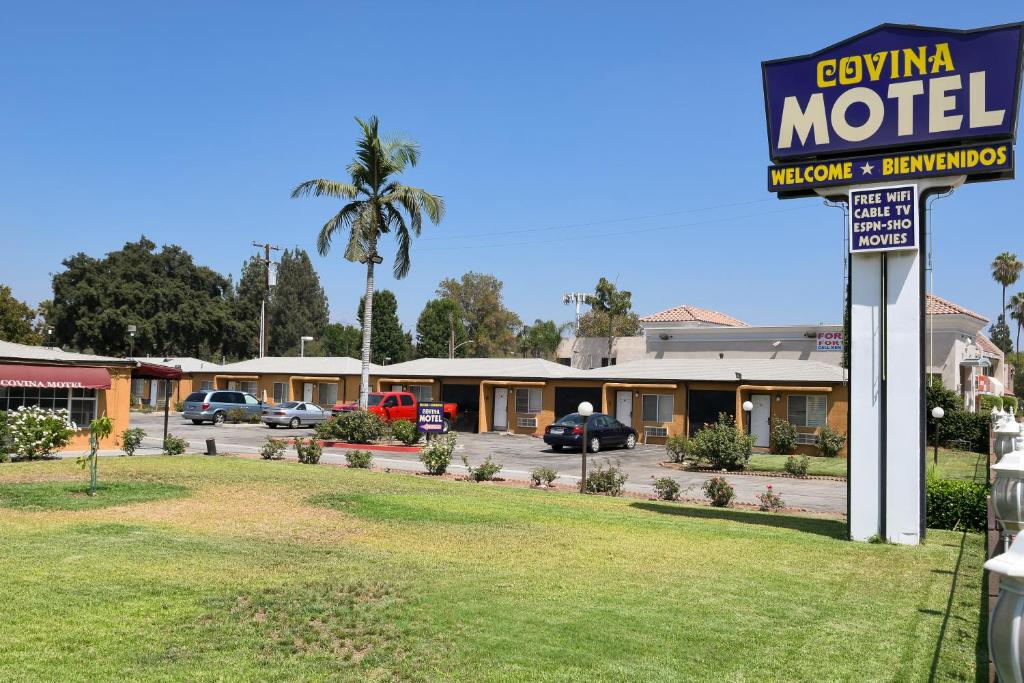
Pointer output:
x,y
151,371
53,377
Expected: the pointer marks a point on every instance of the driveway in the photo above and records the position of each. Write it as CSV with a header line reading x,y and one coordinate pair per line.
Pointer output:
x,y
517,455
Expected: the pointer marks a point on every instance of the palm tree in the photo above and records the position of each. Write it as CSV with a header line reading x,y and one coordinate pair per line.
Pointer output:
x,y
1006,270
378,204
1017,314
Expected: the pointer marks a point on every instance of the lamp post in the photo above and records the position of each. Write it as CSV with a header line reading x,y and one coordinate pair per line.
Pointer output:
x,y
131,336
302,346
585,410
747,407
938,413
451,354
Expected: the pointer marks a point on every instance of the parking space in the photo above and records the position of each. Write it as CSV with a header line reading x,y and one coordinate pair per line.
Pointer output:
x,y
518,455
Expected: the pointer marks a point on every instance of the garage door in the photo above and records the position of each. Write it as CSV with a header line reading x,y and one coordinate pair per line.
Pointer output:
x,y
568,399
467,398
704,407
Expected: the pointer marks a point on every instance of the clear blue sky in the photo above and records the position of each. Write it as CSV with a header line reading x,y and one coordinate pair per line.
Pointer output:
x,y
191,122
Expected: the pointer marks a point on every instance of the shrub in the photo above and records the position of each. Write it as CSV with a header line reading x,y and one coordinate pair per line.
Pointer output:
x,y
938,395
797,466
721,445
327,430
356,426
309,451
770,501
5,436
956,504
962,429
719,491
830,442
174,445
987,404
607,479
437,454
131,439
405,431
543,475
38,432
783,437
666,488
678,448
359,459
488,468
236,415
179,406
273,449
1010,403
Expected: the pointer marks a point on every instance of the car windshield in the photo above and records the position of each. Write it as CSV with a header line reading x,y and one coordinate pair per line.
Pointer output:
x,y
572,419
196,396
288,404
374,399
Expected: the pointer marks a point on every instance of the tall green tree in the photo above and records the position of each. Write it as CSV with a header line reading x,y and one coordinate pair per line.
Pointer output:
x,y
179,308
378,204
489,324
16,318
246,308
298,305
390,342
999,332
1017,315
1006,270
609,303
341,340
540,340
440,332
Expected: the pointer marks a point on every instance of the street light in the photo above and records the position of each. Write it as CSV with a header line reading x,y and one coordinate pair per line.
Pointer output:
x,y
302,346
585,410
938,413
131,335
747,407
458,346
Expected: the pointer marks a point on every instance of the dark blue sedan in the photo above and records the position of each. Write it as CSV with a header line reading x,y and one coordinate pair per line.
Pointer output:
x,y
602,431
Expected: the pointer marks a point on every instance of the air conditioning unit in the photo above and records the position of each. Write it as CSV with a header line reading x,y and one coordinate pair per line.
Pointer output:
x,y
807,439
655,431
526,422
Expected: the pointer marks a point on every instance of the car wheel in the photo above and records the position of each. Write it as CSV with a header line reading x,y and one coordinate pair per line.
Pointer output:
x,y
631,441
272,425
197,422
447,425
218,418
556,447
595,445
294,424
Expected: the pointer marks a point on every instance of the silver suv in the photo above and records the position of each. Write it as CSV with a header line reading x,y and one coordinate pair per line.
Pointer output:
x,y
213,406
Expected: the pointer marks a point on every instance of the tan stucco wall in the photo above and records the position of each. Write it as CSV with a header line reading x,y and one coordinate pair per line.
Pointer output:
x,y
115,404
837,410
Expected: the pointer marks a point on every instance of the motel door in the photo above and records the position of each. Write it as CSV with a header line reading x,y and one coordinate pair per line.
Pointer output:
x,y
624,407
307,392
760,419
500,409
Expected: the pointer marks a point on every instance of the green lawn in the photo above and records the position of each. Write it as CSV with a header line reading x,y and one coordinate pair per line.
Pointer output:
x,y
959,464
819,467
272,570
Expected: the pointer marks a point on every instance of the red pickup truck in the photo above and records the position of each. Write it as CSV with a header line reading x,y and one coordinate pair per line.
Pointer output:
x,y
395,405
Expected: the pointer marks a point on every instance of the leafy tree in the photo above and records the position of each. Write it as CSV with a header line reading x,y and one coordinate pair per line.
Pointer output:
x,y
937,394
1017,315
1006,270
16,319
593,324
999,332
490,325
179,308
390,343
378,204
246,308
541,339
610,303
298,306
340,340
439,329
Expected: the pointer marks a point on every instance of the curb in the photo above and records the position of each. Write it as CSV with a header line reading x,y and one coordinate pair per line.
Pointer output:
x,y
366,447
752,473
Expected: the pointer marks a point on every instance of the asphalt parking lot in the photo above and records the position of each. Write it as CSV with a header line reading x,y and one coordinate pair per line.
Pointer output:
x,y
518,455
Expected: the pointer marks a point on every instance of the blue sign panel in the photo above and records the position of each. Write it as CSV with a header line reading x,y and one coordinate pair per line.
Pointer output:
x,y
883,219
430,418
983,162
895,86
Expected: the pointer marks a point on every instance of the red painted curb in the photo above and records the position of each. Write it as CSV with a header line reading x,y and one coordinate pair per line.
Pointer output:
x,y
369,447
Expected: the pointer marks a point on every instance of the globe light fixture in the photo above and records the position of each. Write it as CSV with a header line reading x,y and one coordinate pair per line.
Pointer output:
x,y
747,406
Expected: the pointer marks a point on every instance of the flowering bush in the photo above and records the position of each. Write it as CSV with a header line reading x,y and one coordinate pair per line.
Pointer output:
x,y
38,432
797,466
666,488
5,436
607,479
362,460
719,492
770,501
175,445
437,454
830,442
405,431
486,472
543,475
721,445
782,439
273,449
309,451
131,439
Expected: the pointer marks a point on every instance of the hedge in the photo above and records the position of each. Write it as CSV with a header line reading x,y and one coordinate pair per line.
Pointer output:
x,y
961,429
957,504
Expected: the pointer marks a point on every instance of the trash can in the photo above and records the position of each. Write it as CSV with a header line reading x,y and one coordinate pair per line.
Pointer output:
x,y
211,446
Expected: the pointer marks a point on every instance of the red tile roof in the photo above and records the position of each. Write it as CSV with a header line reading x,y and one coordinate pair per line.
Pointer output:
x,y
686,313
986,346
936,305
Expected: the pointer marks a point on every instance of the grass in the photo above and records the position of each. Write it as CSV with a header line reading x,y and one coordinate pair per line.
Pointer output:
x,y
276,571
819,467
955,464
74,496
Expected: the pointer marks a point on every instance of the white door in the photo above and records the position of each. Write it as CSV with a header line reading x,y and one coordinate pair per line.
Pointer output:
x,y
760,419
500,409
307,391
624,407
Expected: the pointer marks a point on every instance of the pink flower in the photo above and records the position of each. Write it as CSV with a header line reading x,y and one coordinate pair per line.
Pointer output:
x,y
769,485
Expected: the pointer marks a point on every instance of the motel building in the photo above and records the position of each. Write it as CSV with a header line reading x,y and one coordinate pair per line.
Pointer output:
x,y
86,386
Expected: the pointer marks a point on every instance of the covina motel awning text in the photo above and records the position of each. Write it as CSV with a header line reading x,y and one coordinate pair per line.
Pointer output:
x,y
53,377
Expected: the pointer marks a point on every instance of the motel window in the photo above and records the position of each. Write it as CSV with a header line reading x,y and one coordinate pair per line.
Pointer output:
x,y
807,411
249,387
138,385
206,385
658,407
280,392
80,403
528,400
328,394
422,392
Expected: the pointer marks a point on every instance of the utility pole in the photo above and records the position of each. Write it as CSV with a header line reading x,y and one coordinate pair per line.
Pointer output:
x,y
577,298
266,293
451,335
